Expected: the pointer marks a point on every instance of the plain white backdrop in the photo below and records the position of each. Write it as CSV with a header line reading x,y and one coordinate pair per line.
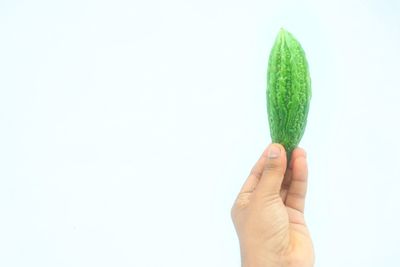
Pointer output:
x,y
128,127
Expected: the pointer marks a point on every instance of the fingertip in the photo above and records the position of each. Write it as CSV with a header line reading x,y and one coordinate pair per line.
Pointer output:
x,y
298,152
274,150
300,168
271,145
281,147
274,169
276,155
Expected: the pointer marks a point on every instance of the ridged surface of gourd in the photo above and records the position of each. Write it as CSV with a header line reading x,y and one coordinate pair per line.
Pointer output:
x,y
288,91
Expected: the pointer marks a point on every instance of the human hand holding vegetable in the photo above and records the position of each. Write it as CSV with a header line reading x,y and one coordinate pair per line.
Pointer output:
x,y
268,213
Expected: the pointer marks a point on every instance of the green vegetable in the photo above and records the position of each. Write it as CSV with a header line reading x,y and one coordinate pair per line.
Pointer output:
x,y
288,91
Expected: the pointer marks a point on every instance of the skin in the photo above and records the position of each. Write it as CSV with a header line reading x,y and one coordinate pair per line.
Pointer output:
x,y
268,213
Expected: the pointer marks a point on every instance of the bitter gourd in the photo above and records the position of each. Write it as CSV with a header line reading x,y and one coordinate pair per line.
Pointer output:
x,y
288,91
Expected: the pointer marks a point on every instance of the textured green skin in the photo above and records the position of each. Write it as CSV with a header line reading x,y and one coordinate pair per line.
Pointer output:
x,y
288,91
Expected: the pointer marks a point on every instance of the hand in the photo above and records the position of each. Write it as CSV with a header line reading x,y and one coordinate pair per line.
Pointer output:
x,y
268,213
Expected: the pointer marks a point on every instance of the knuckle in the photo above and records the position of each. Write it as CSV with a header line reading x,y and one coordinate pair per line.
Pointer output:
x,y
233,213
297,194
241,203
271,165
243,200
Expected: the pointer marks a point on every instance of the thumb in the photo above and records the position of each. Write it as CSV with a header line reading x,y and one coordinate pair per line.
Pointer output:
x,y
273,172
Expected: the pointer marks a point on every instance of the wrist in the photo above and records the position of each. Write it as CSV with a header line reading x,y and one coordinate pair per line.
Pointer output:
x,y
264,260
261,260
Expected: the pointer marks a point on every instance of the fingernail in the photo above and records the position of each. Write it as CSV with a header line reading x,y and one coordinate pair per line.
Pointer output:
x,y
274,152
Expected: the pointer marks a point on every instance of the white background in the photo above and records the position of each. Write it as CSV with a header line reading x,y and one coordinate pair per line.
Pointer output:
x,y
128,127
